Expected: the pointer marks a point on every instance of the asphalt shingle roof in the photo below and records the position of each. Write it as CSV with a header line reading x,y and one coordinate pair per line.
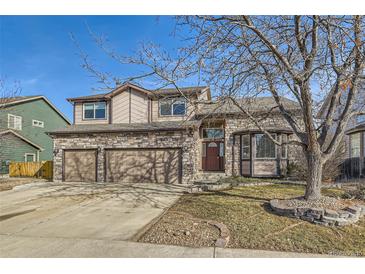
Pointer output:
x,y
16,99
135,127
159,92
256,104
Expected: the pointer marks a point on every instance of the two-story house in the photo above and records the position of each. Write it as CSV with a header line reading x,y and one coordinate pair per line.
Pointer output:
x,y
132,134
24,121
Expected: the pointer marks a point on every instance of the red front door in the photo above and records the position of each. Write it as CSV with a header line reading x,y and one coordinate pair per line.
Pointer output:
x,y
213,160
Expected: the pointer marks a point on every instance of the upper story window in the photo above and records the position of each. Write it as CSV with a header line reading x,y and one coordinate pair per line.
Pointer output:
x,y
14,122
360,119
95,110
172,107
265,147
213,133
37,123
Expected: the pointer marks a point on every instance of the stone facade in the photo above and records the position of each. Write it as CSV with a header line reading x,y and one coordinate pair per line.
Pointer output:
x,y
232,143
186,140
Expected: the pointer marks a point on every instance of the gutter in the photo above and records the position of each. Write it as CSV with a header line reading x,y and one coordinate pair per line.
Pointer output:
x,y
115,131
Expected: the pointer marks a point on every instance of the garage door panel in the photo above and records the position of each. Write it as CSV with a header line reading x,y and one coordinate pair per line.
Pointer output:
x,y
143,165
80,166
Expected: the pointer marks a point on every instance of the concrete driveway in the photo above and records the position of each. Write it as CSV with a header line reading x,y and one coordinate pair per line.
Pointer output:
x,y
75,211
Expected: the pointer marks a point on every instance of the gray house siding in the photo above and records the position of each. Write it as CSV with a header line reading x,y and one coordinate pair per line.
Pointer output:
x,y
34,110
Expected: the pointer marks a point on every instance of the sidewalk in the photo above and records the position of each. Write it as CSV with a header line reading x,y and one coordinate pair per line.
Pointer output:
x,y
22,246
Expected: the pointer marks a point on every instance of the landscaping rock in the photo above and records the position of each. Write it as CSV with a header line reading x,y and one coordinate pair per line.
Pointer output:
x,y
329,220
362,213
323,216
354,210
342,222
343,214
316,211
307,218
331,213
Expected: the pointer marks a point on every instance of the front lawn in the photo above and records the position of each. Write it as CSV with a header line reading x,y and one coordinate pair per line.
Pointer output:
x,y
246,213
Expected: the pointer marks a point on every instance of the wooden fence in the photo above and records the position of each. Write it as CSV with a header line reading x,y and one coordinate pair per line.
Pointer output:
x,y
42,169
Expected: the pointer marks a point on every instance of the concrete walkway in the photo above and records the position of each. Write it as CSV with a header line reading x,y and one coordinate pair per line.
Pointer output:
x,y
30,247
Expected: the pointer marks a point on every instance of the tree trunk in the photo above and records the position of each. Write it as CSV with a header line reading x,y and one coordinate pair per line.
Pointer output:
x,y
314,179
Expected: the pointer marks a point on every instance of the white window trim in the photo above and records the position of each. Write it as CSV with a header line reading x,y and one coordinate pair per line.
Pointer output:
x,y
37,123
180,100
266,158
15,117
93,103
29,154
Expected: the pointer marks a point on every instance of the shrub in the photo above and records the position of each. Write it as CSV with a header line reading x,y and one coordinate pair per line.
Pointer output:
x,y
297,168
358,193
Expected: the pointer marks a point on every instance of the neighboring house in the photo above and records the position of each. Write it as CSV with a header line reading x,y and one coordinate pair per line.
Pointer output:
x,y
24,121
353,166
168,136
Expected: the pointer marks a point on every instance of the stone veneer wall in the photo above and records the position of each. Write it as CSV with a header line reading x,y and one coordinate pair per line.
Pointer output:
x,y
232,156
187,140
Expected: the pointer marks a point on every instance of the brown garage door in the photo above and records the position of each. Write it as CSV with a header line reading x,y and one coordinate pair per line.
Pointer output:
x,y
143,166
80,166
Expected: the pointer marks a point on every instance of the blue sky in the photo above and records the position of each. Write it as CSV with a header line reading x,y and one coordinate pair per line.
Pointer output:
x,y
38,51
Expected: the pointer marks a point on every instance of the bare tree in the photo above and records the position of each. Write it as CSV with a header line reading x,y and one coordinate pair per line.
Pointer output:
x,y
7,93
309,59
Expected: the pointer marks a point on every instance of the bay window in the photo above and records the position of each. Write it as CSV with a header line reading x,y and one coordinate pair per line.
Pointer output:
x,y
265,148
95,110
355,145
245,153
284,146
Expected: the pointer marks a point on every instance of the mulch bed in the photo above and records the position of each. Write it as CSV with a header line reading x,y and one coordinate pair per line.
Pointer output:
x,y
177,228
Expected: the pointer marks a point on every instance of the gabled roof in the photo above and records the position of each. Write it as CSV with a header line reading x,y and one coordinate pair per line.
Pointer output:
x,y
10,131
151,93
254,104
24,99
185,91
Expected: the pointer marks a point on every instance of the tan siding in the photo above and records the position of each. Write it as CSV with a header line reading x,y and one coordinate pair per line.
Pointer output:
x,y
265,168
79,116
120,108
139,107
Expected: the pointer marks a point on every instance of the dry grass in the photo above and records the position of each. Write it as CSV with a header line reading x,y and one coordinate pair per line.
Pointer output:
x,y
10,183
246,212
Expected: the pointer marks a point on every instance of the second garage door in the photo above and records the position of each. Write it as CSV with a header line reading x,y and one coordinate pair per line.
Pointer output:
x,y
143,166
79,166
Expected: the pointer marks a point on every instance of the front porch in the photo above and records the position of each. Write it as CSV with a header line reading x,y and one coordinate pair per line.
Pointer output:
x,y
237,151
